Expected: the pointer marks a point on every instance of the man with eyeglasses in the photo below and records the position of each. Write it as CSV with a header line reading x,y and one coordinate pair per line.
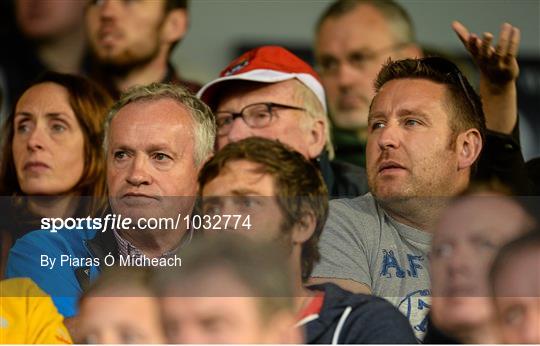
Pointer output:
x,y
269,92
354,38
425,133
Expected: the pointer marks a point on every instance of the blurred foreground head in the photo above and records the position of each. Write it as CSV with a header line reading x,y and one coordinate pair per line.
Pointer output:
x,y
121,308
283,193
468,236
515,281
252,303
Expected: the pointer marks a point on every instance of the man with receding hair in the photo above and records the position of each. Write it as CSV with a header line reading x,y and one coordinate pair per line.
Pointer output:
x,y
354,38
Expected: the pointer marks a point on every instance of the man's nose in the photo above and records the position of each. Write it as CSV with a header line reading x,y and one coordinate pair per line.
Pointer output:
x,y
346,75
109,8
239,130
139,172
459,262
388,137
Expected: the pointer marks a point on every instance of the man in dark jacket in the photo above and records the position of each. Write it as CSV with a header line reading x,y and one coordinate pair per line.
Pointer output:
x,y
284,196
279,96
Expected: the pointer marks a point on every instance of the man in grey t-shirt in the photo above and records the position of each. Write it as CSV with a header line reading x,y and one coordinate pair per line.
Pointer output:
x,y
425,133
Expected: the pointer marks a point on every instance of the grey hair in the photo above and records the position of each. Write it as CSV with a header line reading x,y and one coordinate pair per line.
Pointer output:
x,y
397,17
316,110
204,128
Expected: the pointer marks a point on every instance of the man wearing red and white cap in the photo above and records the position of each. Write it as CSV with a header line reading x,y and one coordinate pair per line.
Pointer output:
x,y
279,96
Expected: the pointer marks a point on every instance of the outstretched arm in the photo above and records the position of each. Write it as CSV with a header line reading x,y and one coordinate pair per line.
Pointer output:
x,y
499,71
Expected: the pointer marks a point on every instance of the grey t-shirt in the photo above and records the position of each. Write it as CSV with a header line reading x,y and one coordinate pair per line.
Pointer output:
x,y
361,242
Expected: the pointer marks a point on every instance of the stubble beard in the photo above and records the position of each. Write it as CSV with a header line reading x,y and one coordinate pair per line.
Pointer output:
x,y
125,62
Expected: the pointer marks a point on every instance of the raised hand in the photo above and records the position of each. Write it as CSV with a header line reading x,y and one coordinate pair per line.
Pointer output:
x,y
498,64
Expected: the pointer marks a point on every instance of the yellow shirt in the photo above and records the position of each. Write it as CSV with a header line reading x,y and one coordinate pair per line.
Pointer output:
x,y
28,315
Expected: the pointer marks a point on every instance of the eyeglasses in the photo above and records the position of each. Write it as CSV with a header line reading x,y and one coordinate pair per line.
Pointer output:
x,y
329,65
453,73
257,115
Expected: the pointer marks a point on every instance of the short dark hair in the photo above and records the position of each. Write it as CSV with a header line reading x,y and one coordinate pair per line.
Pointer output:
x,y
396,16
464,101
300,188
261,267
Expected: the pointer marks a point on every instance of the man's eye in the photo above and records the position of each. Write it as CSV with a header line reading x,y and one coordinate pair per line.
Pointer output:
x,y
513,315
486,244
211,209
328,65
442,250
377,125
120,155
411,122
224,120
358,59
161,157
129,337
245,202
261,114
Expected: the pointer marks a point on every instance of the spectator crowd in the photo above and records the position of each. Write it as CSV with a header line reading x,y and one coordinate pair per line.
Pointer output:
x,y
377,197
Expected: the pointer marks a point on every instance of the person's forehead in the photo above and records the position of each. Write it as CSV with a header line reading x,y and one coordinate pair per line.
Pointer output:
x,y
363,27
136,301
143,7
47,94
199,309
243,174
161,111
411,94
492,217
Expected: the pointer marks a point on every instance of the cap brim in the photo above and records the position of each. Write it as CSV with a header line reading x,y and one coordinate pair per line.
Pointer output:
x,y
208,92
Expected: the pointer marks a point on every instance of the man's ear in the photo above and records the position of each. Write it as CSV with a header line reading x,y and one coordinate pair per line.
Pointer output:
x,y
304,228
317,138
175,25
468,146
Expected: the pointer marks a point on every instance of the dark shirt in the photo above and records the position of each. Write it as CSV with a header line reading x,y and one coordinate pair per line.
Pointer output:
x,y
103,76
501,159
349,148
435,336
363,319
21,66
342,179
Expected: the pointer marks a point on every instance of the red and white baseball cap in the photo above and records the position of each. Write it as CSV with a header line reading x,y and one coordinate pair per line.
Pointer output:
x,y
266,64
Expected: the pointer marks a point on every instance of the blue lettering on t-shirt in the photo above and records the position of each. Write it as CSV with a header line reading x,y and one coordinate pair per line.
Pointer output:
x,y
413,265
390,261
416,301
